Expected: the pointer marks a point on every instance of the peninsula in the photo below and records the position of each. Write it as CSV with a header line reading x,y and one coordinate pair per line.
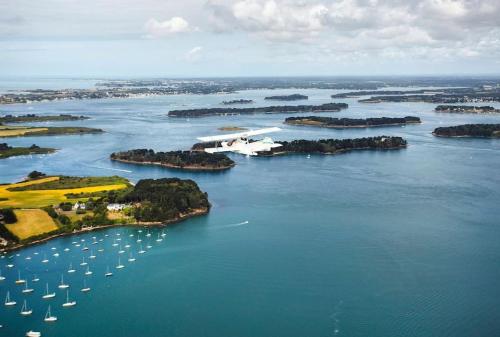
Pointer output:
x,y
28,118
342,123
7,151
469,130
327,107
43,207
293,97
184,160
466,109
22,131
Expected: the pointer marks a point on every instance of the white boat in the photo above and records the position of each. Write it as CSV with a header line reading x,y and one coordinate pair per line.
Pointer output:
x,y
28,257
45,260
26,289
10,265
53,248
149,246
159,239
55,254
1,277
49,317
88,272
32,333
139,231
131,258
83,262
92,256
119,265
131,235
108,273
139,238
85,289
70,269
63,285
100,250
47,294
141,251
68,303
25,311
19,279
8,301
85,248
114,243
148,234
35,278
163,234
121,251
127,246
66,249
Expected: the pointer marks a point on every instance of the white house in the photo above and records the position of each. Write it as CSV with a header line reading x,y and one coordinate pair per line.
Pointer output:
x,y
115,207
79,205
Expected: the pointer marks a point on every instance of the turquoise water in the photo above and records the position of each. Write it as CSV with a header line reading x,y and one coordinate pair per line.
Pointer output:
x,y
399,243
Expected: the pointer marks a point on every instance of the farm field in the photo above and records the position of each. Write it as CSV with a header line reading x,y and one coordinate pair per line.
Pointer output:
x,y
31,222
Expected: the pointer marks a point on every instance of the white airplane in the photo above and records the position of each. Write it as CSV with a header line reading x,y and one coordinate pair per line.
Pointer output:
x,y
238,142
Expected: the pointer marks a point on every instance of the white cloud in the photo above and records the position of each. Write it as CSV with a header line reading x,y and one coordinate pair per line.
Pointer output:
x,y
194,54
158,29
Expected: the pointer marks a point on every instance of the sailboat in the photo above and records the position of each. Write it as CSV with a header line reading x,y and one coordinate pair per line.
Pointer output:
x,y
92,256
148,246
71,270
35,278
1,277
85,248
131,235
100,250
85,288
26,289
49,317
108,273
121,251
68,303
141,251
114,243
28,258
47,294
139,238
8,301
66,249
148,234
131,258
24,310
45,260
19,279
88,272
159,239
119,266
32,333
55,254
63,285
127,246
163,234
83,262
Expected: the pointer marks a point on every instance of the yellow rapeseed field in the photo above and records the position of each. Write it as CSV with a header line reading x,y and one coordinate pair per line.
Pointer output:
x,y
31,222
41,198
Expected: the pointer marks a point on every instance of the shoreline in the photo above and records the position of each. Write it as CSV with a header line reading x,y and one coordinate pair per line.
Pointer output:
x,y
350,126
194,213
332,153
171,166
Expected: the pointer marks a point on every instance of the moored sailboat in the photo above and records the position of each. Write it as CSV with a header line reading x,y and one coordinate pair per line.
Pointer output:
x,y
47,294
49,317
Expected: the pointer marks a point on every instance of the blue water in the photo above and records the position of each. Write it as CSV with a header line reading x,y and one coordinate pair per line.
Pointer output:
x,y
398,243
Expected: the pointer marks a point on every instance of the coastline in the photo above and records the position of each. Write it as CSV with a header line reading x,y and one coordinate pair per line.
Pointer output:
x,y
181,217
332,153
349,126
171,166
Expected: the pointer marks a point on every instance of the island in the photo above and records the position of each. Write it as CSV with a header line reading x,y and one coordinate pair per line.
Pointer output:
x,y
327,107
336,146
39,118
44,207
325,146
231,128
293,97
7,151
342,123
22,131
466,109
238,101
185,160
469,130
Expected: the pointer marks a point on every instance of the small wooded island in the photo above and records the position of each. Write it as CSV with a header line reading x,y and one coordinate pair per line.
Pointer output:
x,y
327,107
335,146
466,109
185,160
469,130
293,97
24,131
238,101
7,151
341,123
39,118
43,207
325,146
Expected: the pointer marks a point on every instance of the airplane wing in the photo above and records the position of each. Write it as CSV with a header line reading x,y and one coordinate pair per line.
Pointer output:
x,y
245,134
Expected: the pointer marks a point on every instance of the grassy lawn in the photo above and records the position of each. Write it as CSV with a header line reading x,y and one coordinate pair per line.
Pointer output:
x,y
31,222
41,198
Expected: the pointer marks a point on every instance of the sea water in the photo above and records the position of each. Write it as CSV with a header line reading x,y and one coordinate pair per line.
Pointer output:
x,y
369,243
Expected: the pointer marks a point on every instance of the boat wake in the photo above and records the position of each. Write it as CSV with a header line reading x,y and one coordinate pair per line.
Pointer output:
x,y
234,224
109,168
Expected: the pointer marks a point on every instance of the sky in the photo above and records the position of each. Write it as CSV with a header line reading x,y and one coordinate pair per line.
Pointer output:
x,y
207,38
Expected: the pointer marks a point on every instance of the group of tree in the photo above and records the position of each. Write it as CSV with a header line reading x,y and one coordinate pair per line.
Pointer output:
x,y
469,130
351,122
